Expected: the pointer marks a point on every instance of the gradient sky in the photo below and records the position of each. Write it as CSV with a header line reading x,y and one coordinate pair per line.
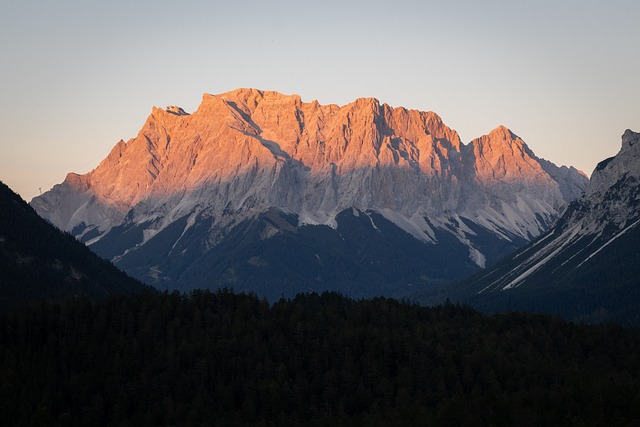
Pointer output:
x,y
77,76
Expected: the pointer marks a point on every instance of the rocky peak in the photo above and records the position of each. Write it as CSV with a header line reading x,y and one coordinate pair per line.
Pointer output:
x,y
187,182
248,150
623,167
178,111
371,104
591,248
630,138
501,155
502,133
248,99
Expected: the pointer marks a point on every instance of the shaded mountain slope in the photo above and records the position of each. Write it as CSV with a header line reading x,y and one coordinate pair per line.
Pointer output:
x,y
38,262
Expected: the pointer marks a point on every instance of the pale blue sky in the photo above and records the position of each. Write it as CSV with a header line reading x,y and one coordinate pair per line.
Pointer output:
x,y
77,76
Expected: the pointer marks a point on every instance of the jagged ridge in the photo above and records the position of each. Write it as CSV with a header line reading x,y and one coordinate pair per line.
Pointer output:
x,y
585,266
246,151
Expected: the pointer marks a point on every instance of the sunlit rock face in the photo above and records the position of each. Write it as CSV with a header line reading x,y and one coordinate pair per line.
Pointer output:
x,y
585,267
248,152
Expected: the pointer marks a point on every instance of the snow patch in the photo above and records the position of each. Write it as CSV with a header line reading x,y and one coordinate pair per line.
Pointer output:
x,y
620,233
308,218
155,273
419,220
372,223
546,254
405,224
477,256
95,239
148,234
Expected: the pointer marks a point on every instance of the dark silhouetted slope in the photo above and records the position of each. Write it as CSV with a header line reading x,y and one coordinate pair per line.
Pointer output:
x,y
38,261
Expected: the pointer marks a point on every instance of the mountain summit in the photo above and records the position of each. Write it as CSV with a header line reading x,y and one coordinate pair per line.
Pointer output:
x,y
586,266
266,169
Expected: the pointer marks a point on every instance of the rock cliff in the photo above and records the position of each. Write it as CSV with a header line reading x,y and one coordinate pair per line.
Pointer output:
x,y
246,152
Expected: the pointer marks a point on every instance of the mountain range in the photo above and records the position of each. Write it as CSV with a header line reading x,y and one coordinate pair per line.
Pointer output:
x,y
261,192
585,267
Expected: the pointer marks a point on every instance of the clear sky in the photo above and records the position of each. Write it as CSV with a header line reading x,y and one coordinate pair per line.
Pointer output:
x,y
77,76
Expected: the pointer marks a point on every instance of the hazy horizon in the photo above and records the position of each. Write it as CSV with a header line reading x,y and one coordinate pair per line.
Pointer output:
x,y
79,76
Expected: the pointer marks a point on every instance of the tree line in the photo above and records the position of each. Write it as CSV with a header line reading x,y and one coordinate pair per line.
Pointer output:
x,y
220,358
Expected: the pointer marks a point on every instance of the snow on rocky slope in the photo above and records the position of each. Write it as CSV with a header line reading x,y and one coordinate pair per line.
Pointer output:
x,y
608,209
247,152
586,266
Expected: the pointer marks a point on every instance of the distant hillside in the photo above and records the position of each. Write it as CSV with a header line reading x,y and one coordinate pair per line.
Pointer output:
x,y
38,261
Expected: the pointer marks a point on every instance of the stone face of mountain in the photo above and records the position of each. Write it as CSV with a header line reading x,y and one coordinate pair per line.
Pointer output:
x,y
38,262
586,266
249,156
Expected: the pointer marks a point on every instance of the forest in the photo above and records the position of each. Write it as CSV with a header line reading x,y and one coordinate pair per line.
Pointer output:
x,y
221,358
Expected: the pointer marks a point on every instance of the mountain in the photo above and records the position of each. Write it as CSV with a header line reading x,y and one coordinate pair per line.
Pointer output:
x,y
39,262
587,266
260,191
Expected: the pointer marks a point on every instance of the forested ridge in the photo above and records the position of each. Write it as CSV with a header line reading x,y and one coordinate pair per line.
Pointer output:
x,y
233,359
38,261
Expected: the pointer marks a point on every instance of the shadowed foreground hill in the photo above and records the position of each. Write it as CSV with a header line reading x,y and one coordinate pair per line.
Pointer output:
x,y
38,261
226,359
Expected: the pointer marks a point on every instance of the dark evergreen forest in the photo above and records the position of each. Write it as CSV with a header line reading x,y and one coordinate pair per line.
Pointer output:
x,y
166,359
